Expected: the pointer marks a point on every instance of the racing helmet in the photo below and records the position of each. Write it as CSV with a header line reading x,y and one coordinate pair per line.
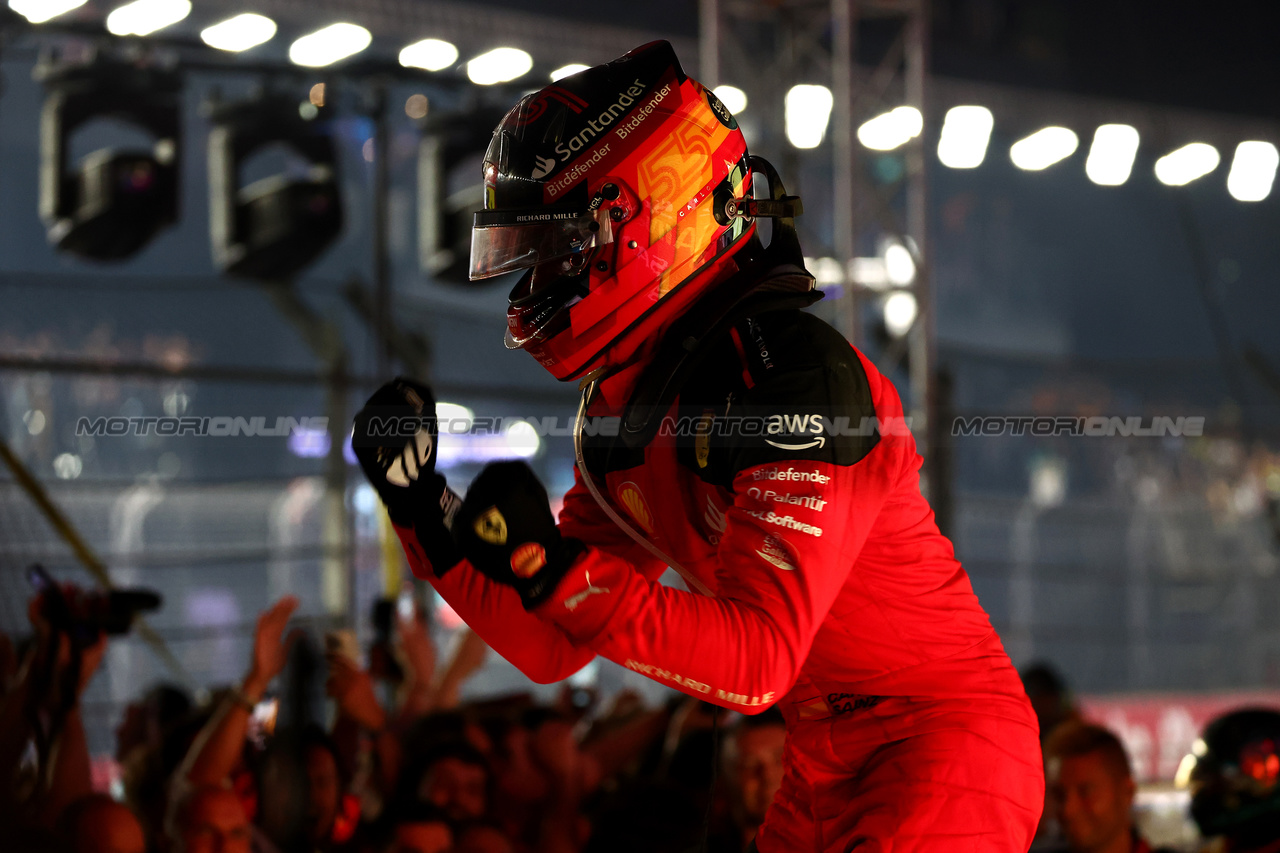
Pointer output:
x,y
1233,773
624,193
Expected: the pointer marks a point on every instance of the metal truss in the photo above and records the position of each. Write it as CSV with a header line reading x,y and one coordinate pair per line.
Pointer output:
x,y
766,47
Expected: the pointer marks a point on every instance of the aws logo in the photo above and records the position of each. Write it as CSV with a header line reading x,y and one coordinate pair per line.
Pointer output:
x,y
796,426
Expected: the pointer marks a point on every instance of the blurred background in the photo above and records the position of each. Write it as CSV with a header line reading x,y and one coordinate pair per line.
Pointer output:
x,y
231,210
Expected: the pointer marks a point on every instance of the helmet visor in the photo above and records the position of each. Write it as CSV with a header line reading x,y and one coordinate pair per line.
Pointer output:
x,y
503,241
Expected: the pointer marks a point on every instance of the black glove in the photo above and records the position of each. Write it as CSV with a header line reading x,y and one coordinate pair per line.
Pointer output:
x,y
394,439
506,530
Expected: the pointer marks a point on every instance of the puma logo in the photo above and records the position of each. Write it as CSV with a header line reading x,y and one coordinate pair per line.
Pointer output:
x,y
572,602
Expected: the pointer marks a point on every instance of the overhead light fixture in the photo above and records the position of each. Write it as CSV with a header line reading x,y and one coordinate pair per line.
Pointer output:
x,y
733,98
143,17
239,33
1182,166
329,45
889,130
116,201
1111,155
39,11
567,70
806,111
272,228
900,312
1253,170
429,54
899,265
965,133
500,65
1043,148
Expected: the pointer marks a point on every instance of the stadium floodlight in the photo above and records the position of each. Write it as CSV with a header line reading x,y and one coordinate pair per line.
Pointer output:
x,y
567,70
329,45
272,228
500,65
733,98
806,111
1043,148
39,11
1253,170
900,312
1182,166
965,133
889,130
142,17
899,265
114,202
1111,155
429,54
239,33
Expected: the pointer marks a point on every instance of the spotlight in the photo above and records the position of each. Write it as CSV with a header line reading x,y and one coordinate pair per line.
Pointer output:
x,y
890,130
143,17
239,33
1181,167
806,110
1252,171
500,65
272,228
117,200
329,45
1043,148
429,54
39,11
900,312
1111,156
965,134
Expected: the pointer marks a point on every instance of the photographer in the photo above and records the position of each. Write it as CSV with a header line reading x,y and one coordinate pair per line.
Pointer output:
x,y
42,710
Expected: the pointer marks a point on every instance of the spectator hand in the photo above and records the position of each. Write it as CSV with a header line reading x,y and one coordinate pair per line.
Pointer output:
x,y
505,528
417,653
352,689
394,439
270,647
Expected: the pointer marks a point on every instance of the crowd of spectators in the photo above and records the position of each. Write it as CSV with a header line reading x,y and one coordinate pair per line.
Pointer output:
x,y
401,764
404,765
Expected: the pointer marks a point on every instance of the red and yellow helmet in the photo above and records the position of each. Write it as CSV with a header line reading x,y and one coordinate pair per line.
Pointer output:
x,y
618,190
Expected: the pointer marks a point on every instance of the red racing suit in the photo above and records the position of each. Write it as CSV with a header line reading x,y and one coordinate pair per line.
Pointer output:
x,y
782,483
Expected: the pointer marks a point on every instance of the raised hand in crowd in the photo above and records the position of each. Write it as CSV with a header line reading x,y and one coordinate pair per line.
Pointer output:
x,y
417,656
218,748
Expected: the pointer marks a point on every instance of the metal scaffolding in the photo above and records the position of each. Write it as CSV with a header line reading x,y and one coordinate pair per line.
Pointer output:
x,y
764,48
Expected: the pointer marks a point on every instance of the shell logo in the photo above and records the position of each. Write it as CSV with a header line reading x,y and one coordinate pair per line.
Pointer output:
x,y
637,507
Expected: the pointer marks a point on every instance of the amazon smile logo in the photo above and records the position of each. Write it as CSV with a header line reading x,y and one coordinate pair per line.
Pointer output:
x,y
797,428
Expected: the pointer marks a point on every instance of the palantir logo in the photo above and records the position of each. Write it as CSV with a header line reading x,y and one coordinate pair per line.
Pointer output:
x,y
546,165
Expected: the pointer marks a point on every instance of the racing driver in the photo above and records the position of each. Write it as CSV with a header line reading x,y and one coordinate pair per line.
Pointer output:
x,y
730,435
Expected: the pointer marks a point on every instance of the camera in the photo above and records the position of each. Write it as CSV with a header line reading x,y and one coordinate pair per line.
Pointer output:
x,y
84,614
